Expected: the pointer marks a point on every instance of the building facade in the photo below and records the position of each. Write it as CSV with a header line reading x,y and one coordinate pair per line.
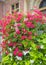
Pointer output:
x,y
23,5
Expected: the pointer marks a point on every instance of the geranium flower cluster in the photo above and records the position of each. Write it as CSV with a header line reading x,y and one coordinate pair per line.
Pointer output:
x,y
22,38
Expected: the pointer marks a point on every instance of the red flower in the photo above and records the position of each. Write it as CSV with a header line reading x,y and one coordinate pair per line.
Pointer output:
x,y
30,25
24,30
4,31
19,17
19,24
29,33
10,44
23,37
15,51
20,54
28,15
18,31
25,20
31,18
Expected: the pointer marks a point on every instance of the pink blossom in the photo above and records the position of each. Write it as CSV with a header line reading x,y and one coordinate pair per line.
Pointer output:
x,y
19,17
15,51
38,12
3,31
30,33
30,25
19,24
19,14
28,15
31,18
26,19
17,30
10,44
24,30
20,54
23,37
40,17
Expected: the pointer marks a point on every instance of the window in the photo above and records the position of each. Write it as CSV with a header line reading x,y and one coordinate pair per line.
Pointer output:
x,y
42,4
12,8
17,7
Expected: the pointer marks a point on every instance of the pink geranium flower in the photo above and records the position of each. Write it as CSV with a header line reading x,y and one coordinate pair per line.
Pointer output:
x,y
23,37
19,17
17,30
19,24
24,30
29,33
15,51
28,15
30,25
20,54
10,44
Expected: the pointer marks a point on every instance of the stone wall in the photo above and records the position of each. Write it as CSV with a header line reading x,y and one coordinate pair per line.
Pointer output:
x,y
24,5
6,6
1,10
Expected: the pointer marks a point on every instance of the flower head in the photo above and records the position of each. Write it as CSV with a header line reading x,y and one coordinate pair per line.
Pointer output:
x,y
20,54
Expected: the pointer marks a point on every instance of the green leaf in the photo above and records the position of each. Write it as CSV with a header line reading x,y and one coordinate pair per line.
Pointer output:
x,y
14,63
6,59
24,42
44,40
27,62
33,45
